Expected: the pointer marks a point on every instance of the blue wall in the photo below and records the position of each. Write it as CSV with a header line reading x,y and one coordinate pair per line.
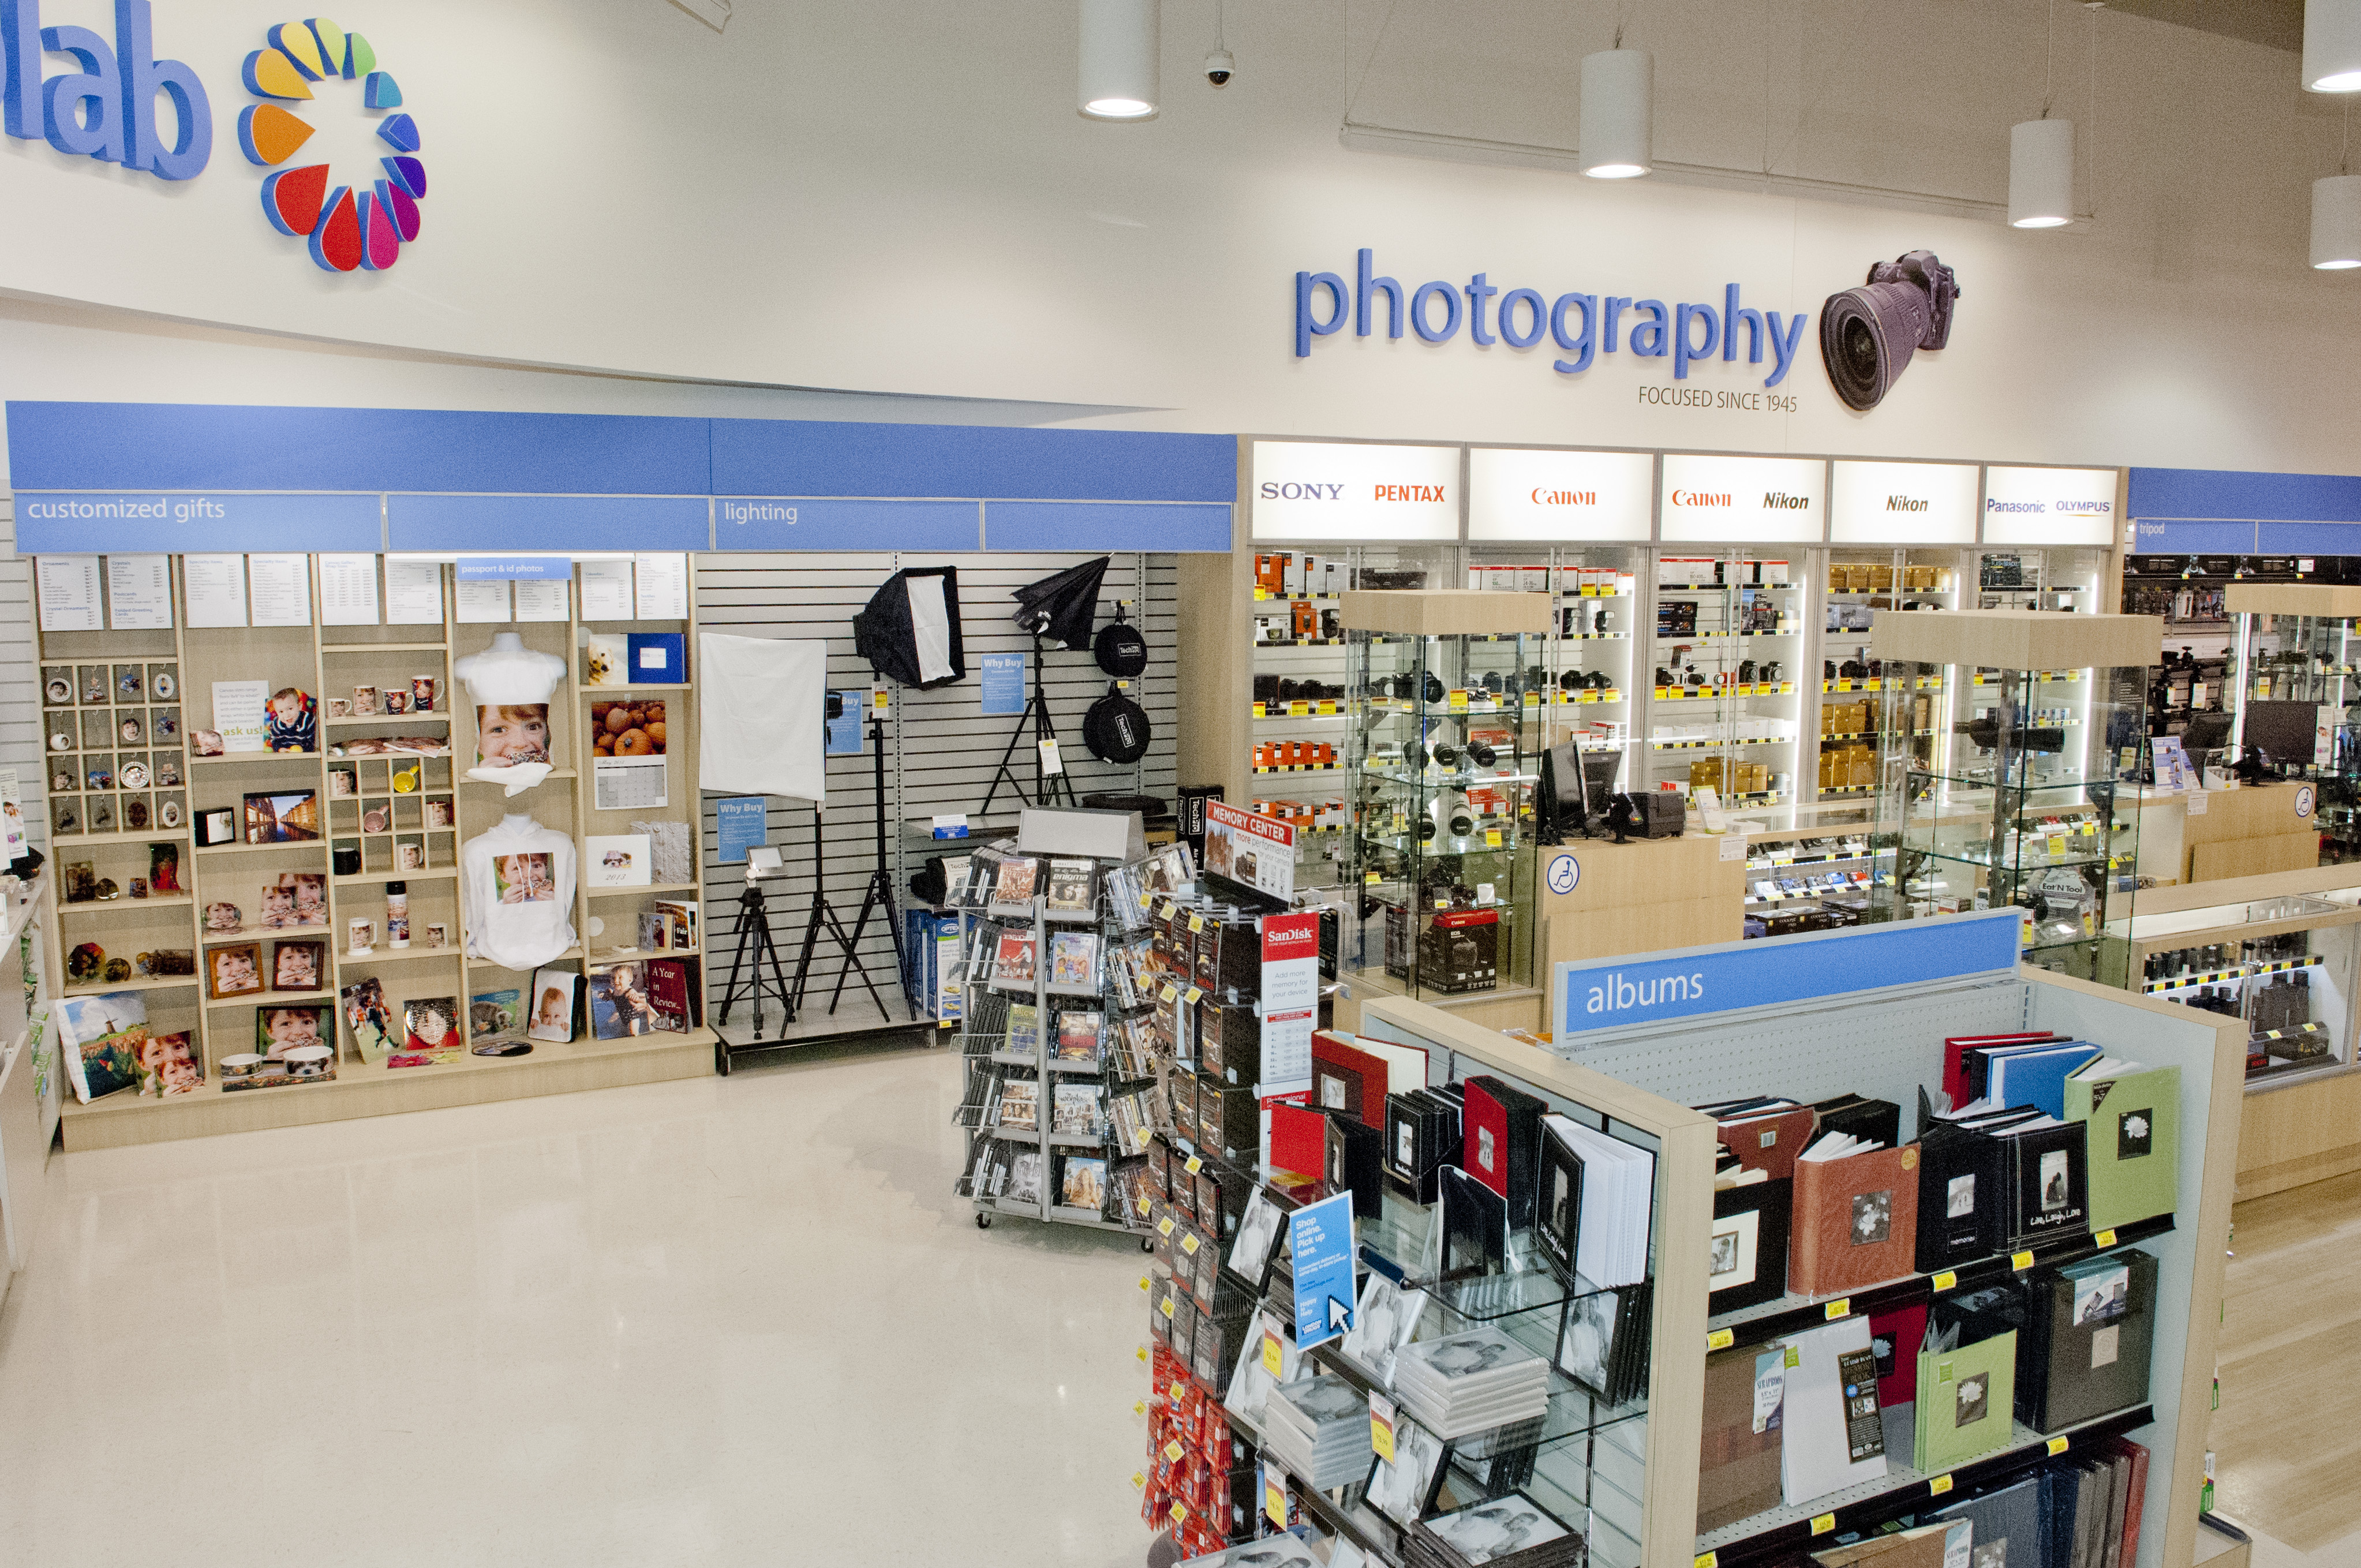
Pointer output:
x,y
2225,512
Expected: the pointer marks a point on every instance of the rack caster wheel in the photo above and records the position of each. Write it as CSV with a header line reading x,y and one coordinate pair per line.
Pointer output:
x,y
1145,1246
983,1221
720,1059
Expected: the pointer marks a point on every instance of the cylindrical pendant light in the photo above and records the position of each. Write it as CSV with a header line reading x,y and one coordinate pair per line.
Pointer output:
x,y
1118,59
1618,103
2331,46
2041,174
2336,222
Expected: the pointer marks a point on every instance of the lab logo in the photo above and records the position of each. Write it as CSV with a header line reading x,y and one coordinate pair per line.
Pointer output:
x,y
106,110
362,224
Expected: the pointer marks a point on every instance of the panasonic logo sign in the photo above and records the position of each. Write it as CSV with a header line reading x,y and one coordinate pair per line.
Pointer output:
x,y
2064,509
1618,994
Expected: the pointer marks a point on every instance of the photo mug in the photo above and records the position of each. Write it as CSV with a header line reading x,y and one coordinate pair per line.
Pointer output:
x,y
396,700
423,689
364,702
364,935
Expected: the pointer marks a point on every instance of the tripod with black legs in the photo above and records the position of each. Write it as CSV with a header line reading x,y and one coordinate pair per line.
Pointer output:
x,y
1046,786
824,915
755,949
881,885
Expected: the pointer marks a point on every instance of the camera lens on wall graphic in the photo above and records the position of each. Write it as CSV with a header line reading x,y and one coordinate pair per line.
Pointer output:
x,y
1867,334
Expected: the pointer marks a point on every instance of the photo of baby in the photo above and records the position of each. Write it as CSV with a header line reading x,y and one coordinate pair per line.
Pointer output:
x,y
553,1006
291,724
235,971
619,1003
509,733
523,879
279,1030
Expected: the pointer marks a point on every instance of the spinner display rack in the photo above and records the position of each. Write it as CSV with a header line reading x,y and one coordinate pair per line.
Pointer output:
x,y
993,1061
324,660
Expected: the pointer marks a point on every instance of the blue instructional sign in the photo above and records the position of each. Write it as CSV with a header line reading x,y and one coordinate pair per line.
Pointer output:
x,y
1004,683
1650,986
742,824
516,568
844,729
1321,1236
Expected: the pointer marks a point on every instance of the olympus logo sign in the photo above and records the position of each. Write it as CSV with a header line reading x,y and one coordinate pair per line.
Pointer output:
x,y
2043,508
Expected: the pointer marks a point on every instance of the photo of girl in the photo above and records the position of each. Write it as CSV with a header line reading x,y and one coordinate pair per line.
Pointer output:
x,y
619,1003
430,1026
279,1030
509,733
523,879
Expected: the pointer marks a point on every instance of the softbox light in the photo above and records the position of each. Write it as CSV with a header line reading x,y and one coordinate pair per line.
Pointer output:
x,y
910,628
1063,605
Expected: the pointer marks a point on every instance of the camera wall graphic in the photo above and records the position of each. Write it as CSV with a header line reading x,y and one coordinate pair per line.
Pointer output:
x,y
1868,334
349,229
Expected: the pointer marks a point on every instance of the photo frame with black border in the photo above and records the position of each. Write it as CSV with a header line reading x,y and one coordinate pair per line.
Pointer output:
x,y
1749,1250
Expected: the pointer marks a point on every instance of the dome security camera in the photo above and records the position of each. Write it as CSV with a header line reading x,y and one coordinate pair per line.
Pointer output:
x,y
1220,67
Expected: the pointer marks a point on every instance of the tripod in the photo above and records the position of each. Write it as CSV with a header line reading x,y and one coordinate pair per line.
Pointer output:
x,y
754,942
821,914
1046,786
881,885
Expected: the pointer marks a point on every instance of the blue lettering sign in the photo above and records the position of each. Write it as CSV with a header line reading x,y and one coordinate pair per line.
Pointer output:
x,y
739,825
1004,683
105,110
62,522
1321,1236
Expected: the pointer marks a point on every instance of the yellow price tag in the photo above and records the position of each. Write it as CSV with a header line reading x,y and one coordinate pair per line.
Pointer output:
x,y
1142,1353
1945,1280
2057,1446
2104,1238
1145,1208
1298,709
1168,909
1458,699
1707,1559
1381,1436
1491,838
1143,1278
1171,992
1839,1308
1165,1307
1179,1387
1720,1339
1139,1407
1195,996
1938,1485
1196,1163
1196,922
2020,1261
1272,1352
1189,1244
1371,878
1178,1513
1173,1451
1259,712
1823,1523
1164,1227
1274,1504
1138,1481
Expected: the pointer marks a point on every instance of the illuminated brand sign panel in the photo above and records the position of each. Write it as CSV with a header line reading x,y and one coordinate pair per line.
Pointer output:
x,y
1743,500
1517,494
1577,328
2049,506
1902,503
1303,489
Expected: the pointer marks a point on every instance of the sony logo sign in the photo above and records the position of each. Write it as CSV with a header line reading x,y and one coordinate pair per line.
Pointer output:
x,y
1291,490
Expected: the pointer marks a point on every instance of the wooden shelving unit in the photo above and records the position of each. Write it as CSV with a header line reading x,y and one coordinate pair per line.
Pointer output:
x,y
423,805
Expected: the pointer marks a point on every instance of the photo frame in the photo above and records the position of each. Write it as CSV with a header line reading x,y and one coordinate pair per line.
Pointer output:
x,y
1747,1263
282,816
234,970
554,1005
279,1029
299,966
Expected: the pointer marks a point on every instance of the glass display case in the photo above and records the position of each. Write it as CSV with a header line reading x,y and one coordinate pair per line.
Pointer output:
x,y
1725,699
1440,768
1861,581
2006,734
2063,578
1813,869
2295,692
2285,964
1582,690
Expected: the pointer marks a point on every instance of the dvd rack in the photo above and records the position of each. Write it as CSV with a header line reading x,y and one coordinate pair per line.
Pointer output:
x,y
1059,1064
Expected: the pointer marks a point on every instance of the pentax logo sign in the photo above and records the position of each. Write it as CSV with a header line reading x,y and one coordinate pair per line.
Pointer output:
x,y
1303,489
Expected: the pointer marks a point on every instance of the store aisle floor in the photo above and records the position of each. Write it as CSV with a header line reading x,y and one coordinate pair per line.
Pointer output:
x,y
719,1321
2284,1439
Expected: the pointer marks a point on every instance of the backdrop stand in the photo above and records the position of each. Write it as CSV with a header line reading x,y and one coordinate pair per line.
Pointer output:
x,y
824,915
880,885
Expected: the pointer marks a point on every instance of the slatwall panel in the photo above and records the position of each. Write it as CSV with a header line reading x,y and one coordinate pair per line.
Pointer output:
x,y
20,699
940,749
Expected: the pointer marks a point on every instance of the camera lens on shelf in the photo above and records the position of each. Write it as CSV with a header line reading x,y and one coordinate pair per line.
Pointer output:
x,y
1446,756
1480,754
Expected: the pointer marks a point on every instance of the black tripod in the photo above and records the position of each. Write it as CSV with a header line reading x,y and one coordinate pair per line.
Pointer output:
x,y
1046,786
754,943
822,915
881,884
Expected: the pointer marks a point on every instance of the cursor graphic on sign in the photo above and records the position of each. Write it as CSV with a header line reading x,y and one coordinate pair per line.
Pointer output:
x,y
1340,1314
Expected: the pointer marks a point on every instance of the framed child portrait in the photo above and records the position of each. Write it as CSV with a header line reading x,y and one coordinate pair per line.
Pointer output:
x,y
298,966
233,970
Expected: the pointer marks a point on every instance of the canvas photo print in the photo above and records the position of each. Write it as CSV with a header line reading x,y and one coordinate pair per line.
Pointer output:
x,y
291,817
279,1030
297,899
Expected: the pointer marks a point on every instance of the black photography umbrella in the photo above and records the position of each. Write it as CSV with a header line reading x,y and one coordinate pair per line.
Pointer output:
x,y
1063,605
910,628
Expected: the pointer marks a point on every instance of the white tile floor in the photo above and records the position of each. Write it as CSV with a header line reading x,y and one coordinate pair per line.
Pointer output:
x,y
719,1321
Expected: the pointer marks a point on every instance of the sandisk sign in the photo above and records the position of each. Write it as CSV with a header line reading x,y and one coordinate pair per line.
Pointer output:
x,y
1515,493
1743,500
1305,490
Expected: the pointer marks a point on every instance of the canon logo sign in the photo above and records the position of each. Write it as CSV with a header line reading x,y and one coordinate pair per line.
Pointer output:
x,y
1700,499
1565,498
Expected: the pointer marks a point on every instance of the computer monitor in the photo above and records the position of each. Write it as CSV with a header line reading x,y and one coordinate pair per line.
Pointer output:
x,y
2283,729
2206,732
1576,784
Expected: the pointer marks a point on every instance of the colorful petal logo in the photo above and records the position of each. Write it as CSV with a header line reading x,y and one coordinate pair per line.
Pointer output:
x,y
347,229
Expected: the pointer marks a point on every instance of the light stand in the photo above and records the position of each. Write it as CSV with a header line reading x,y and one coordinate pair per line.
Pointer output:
x,y
881,883
754,944
822,915
1046,786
